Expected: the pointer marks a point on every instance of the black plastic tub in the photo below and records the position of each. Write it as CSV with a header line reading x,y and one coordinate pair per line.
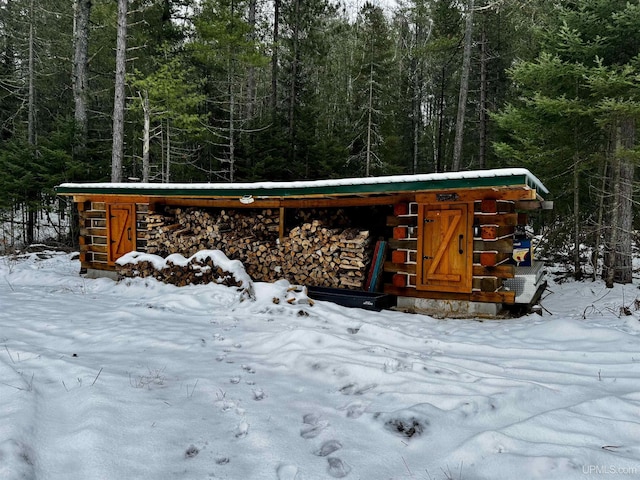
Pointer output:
x,y
352,298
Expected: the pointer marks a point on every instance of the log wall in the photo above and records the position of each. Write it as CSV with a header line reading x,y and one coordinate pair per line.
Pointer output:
x,y
494,224
316,247
93,233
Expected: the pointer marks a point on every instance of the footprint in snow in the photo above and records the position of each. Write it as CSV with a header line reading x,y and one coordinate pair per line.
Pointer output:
x,y
354,409
327,448
391,365
287,472
313,426
337,468
242,429
226,405
234,380
258,394
312,431
248,369
311,419
191,452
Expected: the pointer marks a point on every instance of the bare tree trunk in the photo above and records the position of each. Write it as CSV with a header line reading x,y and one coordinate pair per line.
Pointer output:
x,y
293,91
251,73
482,143
167,176
418,68
369,120
117,151
623,265
417,116
464,88
31,113
232,129
274,58
439,150
146,136
31,126
577,267
597,242
618,268
608,270
82,11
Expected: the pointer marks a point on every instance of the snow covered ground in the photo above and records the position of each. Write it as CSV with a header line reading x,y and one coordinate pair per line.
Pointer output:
x,y
141,380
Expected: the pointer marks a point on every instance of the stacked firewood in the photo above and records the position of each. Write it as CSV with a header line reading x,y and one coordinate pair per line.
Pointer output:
x,y
315,253
194,272
189,230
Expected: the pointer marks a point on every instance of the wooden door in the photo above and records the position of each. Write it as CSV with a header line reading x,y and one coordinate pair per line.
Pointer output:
x,y
121,230
445,249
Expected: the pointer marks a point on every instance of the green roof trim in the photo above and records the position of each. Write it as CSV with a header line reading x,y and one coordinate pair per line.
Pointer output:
x,y
348,186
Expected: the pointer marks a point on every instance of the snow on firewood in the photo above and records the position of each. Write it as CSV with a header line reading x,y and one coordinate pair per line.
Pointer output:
x,y
205,266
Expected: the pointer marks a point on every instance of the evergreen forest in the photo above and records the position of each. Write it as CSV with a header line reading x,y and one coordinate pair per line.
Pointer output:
x,y
251,90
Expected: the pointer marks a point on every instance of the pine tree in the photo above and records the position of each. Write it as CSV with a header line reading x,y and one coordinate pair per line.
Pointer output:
x,y
580,103
170,101
227,53
371,90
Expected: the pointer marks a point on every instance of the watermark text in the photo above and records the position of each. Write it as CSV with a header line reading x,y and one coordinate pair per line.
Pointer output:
x,y
610,470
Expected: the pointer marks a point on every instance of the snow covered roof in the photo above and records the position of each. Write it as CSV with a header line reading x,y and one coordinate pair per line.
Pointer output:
x,y
366,185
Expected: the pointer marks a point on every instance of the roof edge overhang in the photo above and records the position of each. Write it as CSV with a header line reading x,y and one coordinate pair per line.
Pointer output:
x,y
512,177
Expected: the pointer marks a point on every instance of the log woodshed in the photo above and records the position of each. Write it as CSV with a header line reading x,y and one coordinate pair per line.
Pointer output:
x,y
449,236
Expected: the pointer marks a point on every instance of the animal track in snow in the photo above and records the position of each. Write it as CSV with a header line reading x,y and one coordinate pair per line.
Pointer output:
x,y
311,419
287,472
327,448
354,409
258,394
337,468
391,365
313,426
242,429
191,452
312,431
